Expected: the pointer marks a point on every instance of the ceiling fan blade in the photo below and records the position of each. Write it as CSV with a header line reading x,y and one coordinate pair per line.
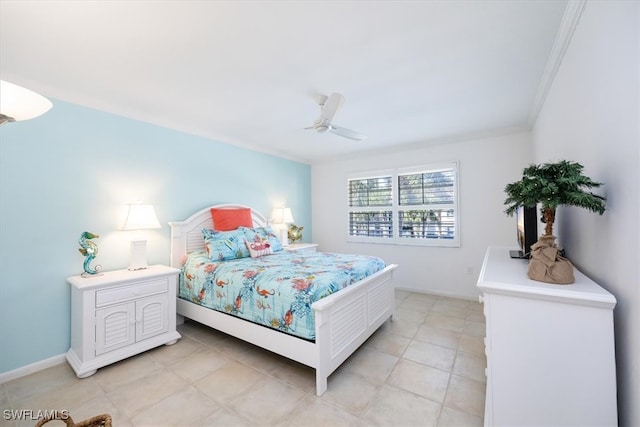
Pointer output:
x,y
347,133
330,107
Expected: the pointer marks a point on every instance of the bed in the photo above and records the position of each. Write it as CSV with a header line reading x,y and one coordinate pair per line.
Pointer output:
x,y
342,320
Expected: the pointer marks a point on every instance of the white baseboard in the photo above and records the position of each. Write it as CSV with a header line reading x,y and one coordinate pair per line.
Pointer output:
x,y
438,293
30,369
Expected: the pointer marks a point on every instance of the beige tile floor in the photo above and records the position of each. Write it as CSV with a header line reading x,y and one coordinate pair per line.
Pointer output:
x,y
425,368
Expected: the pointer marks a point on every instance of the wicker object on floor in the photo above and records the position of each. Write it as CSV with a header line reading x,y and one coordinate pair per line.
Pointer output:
x,y
103,420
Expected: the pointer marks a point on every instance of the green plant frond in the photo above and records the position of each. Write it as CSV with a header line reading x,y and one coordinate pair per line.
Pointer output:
x,y
589,201
552,185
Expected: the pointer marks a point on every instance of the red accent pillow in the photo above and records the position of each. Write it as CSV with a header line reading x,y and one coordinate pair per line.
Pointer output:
x,y
230,219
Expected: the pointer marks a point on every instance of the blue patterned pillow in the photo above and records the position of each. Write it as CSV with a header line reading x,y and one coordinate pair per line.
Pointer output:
x,y
260,234
225,245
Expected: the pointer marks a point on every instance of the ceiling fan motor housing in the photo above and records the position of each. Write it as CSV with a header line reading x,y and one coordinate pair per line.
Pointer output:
x,y
321,127
328,108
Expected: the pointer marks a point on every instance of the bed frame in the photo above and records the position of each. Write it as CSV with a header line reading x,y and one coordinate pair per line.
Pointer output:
x,y
343,320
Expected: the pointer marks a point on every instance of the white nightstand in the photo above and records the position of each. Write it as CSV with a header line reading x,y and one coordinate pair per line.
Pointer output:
x,y
120,313
304,247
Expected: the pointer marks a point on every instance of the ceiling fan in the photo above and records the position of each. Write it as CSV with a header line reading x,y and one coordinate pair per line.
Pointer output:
x,y
329,105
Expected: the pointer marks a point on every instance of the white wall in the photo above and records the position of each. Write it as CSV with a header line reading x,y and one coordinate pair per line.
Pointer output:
x,y
485,167
592,116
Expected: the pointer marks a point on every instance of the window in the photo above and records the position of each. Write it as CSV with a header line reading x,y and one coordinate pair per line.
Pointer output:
x,y
370,200
416,206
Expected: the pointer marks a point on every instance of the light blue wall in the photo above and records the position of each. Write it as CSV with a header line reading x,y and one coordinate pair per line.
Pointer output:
x,y
75,169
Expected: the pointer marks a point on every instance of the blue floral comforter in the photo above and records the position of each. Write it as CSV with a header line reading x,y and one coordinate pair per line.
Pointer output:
x,y
275,290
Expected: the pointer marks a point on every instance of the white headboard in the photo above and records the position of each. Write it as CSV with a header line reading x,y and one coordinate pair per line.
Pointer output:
x,y
186,236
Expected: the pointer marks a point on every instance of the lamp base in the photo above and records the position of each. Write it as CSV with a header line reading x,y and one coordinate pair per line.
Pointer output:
x,y
284,237
138,255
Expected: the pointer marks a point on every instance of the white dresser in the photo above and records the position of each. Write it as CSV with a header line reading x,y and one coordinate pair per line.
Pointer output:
x,y
120,313
550,348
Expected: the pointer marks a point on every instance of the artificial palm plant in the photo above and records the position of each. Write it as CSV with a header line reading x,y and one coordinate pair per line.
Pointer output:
x,y
552,185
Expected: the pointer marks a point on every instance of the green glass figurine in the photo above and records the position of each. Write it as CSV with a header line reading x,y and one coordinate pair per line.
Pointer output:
x,y
294,233
89,249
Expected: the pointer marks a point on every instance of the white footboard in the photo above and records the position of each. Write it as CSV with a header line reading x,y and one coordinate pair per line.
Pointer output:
x,y
343,320
346,319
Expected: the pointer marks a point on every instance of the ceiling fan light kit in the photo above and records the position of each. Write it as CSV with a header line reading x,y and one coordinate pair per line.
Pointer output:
x,y
18,103
329,105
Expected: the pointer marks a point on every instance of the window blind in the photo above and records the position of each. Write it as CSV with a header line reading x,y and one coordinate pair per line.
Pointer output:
x,y
410,206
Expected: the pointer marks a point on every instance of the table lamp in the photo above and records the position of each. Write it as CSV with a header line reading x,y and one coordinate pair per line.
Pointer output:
x,y
280,217
140,217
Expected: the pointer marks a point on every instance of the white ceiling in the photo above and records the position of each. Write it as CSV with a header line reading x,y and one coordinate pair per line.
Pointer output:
x,y
249,72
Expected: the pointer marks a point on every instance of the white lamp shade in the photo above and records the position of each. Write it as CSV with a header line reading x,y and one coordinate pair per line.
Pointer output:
x,y
281,216
18,103
141,217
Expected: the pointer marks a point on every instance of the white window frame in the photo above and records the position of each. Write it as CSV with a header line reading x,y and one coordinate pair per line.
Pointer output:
x,y
395,208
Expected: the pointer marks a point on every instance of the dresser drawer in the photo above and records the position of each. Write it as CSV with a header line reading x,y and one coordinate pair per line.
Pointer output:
x,y
131,291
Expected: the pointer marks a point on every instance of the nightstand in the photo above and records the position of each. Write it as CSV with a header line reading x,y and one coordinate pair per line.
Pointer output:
x,y
120,313
302,247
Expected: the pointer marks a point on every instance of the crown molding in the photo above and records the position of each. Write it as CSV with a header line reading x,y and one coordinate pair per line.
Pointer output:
x,y
568,25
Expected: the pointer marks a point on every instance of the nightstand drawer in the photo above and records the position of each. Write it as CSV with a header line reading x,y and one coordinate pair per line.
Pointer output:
x,y
302,247
131,291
